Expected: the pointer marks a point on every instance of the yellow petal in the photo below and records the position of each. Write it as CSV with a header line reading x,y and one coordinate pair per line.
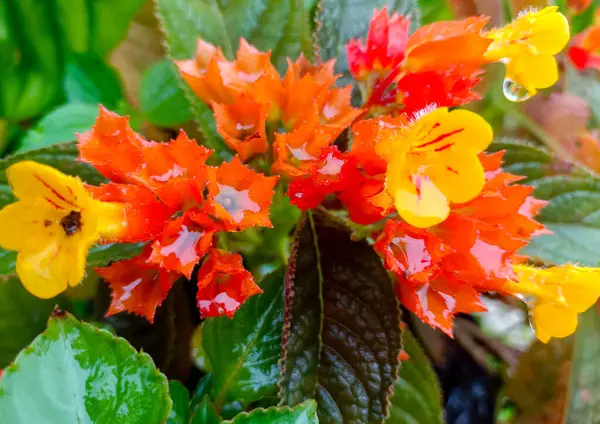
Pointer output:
x,y
49,269
553,321
419,202
20,223
458,175
532,71
542,32
108,219
32,181
549,31
459,129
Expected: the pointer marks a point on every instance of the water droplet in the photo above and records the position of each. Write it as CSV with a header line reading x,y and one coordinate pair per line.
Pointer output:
x,y
514,92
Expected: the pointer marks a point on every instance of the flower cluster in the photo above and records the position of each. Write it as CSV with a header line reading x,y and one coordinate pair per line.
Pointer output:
x,y
160,193
445,217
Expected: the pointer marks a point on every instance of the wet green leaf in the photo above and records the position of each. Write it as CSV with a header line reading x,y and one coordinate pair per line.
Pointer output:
x,y
416,397
584,393
305,413
342,329
244,352
59,126
205,413
180,412
88,79
22,317
573,209
82,374
162,99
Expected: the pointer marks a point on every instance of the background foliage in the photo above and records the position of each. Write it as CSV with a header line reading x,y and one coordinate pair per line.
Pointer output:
x,y
351,355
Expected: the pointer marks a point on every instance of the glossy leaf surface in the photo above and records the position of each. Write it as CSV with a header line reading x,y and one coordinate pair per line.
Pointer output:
x,y
244,352
82,374
342,330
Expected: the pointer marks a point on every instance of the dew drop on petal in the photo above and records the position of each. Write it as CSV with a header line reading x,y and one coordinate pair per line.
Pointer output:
x,y
514,92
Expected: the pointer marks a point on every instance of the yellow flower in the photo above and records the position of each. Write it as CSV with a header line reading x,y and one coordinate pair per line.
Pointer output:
x,y
527,46
52,226
434,161
560,293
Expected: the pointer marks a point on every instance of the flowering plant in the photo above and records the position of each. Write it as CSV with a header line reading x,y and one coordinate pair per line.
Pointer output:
x,y
330,184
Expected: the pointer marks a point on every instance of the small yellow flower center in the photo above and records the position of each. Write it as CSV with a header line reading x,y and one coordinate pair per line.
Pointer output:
x,y
71,223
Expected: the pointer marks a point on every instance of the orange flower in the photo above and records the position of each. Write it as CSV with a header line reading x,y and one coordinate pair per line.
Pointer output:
x,y
143,214
203,75
328,175
438,301
181,246
314,113
242,125
215,79
427,48
252,72
223,284
111,146
441,269
409,252
238,197
384,49
137,286
174,171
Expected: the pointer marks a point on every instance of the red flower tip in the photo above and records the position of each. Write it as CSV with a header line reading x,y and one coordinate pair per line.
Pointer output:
x,y
181,246
437,302
584,51
328,175
409,253
239,197
385,46
242,125
223,284
137,286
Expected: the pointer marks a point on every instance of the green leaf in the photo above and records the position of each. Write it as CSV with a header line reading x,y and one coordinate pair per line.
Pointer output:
x,y
110,20
416,397
205,413
435,11
305,413
198,354
60,156
180,412
82,374
88,79
59,126
342,328
162,99
244,352
573,209
584,392
183,22
22,317
569,243
342,20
